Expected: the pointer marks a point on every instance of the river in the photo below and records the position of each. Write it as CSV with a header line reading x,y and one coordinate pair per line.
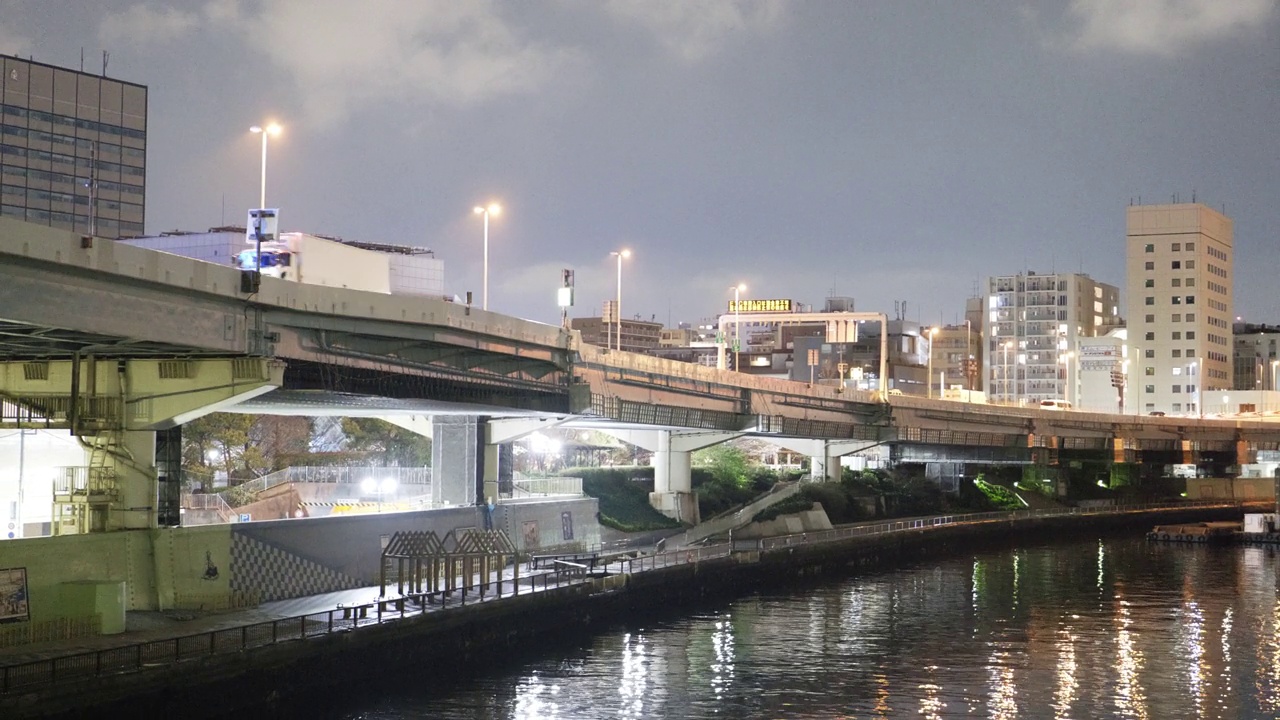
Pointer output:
x,y
1105,627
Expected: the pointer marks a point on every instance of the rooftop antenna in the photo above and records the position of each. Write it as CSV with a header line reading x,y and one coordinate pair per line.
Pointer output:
x,y
1193,196
81,58
106,58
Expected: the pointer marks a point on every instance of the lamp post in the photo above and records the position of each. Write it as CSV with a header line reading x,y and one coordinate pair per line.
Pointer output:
x,y
490,209
1274,363
737,325
929,376
264,131
620,254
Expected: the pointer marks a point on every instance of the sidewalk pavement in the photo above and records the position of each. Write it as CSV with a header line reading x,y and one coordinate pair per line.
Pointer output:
x,y
142,626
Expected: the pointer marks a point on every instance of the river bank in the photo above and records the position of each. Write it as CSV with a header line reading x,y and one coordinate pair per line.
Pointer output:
x,y
211,683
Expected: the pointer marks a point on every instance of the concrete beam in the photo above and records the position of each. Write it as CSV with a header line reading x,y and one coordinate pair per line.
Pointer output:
x,y
504,430
420,424
672,440
140,393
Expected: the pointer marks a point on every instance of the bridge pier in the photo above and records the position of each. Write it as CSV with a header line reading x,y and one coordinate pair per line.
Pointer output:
x,y
673,494
116,408
824,455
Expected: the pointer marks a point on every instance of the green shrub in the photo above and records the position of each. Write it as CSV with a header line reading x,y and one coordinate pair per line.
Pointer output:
x,y
1002,498
624,501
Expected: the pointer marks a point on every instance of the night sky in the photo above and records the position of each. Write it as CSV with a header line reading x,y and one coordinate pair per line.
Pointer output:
x,y
888,151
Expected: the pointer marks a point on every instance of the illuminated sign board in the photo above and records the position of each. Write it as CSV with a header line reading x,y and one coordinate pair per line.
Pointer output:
x,y
759,306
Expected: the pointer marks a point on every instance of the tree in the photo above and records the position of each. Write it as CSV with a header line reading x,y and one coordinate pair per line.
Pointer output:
x,y
387,443
220,441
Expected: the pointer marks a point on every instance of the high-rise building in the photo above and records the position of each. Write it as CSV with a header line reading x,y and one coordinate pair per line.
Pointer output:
x,y
1255,358
1033,325
1179,274
73,149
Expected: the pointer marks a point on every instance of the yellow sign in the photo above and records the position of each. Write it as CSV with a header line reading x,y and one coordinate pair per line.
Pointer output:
x,y
758,306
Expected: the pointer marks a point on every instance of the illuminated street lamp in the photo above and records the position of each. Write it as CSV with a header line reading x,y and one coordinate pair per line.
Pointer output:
x,y
264,131
737,324
491,209
1274,363
380,488
620,254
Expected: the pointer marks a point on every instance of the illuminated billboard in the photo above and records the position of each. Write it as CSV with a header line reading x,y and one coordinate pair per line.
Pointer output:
x,y
759,306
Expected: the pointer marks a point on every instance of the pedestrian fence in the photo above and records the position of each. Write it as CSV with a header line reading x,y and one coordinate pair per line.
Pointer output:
x,y
610,574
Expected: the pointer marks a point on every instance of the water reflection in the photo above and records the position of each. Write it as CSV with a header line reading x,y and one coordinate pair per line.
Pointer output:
x,y
1118,628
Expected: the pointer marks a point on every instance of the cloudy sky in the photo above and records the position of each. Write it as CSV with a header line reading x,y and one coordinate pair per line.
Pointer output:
x,y
892,150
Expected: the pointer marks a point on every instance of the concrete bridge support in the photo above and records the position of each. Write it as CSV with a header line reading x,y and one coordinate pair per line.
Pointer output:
x,y
673,494
824,455
115,408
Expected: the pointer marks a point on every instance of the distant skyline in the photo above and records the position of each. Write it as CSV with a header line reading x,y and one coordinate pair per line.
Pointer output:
x,y
886,151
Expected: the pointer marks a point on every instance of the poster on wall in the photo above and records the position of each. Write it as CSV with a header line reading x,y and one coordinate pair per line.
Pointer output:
x,y
530,532
13,595
566,524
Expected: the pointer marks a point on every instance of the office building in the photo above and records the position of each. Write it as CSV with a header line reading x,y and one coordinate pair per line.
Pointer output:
x,y
73,149
1254,359
637,335
1032,329
1179,275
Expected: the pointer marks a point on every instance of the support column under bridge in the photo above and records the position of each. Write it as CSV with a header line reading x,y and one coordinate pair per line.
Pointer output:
x,y
126,414
673,494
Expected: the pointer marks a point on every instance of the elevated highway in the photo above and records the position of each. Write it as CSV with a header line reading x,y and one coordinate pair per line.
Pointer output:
x,y
121,345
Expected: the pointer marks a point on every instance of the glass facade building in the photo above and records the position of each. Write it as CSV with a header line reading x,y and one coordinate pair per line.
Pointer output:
x,y
73,149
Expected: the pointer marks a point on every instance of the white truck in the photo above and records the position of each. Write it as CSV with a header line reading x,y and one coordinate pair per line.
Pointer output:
x,y
313,260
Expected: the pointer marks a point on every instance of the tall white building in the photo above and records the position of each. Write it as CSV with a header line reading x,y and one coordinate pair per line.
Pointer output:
x,y
1179,274
1033,326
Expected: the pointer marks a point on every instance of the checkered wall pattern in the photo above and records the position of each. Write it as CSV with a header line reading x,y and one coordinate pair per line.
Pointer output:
x,y
278,574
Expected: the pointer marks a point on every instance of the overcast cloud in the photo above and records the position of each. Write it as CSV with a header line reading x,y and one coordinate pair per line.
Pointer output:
x,y
884,150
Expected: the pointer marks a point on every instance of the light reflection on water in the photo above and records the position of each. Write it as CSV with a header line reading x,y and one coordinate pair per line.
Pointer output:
x,y
1117,628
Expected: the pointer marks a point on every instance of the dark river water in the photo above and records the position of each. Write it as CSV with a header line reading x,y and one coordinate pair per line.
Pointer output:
x,y
1088,629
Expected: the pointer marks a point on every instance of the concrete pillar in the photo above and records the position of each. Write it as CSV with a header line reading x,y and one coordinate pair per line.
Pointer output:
x,y
457,459
673,494
824,455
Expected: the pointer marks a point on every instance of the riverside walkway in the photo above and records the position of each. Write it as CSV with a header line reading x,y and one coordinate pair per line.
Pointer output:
x,y
159,640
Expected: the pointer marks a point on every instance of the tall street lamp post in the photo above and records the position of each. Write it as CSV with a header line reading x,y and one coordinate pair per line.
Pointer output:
x,y
264,131
490,209
620,254
737,325
1274,363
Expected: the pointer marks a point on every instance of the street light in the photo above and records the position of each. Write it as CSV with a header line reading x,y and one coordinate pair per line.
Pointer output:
x,y
1274,363
264,131
380,488
929,375
491,209
620,254
737,325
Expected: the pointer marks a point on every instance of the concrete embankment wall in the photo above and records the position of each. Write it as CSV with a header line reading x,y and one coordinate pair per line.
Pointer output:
x,y
272,679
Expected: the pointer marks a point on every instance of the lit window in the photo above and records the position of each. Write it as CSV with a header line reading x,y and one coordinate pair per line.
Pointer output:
x,y
1176,299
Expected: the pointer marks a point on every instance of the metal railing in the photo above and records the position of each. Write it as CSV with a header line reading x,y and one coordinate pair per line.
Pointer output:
x,y
209,501
823,536
138,657
541,487
84,479
339,475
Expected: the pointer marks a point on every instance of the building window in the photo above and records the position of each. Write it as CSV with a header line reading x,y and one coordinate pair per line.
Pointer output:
x,y
1191,299
1150,299
1191,264
1177,282
1191,389
1176,246
1191,282
1145,353
1177,407
1150,335
1176,300
1150,265
1149,283
1148,389
1150,318
1176,336
1149,371
1176,388
1191,335
1191,247
1177,264
1191,317
1150,247
1176,353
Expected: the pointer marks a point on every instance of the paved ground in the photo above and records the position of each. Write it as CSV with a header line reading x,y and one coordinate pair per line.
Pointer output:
x,y
145,626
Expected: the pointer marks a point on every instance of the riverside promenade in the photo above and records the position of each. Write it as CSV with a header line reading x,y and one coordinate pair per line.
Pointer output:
x,y
58,677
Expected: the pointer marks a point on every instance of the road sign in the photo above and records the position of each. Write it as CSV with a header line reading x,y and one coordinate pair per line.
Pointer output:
x,y
813,356
245,517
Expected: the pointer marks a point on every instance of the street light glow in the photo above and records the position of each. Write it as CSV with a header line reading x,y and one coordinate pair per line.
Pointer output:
x,y
492,209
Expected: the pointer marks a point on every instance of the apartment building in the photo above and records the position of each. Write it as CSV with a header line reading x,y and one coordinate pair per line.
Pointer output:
x,y
1032,330
1179,264
73,149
